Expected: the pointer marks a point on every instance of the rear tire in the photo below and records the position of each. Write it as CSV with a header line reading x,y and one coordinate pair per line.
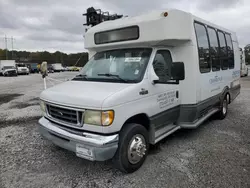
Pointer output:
x,y
223,108
132,148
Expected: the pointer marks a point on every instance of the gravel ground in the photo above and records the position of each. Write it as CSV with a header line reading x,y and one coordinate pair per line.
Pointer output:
x,y
217,154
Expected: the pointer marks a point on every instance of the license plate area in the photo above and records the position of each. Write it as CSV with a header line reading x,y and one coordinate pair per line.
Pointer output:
x,y
84,152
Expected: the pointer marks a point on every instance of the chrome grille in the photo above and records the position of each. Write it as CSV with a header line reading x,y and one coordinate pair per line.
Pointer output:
x,y
65,115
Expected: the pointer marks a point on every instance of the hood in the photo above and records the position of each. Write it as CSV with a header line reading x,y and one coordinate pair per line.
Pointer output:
x,y
82,94
7,70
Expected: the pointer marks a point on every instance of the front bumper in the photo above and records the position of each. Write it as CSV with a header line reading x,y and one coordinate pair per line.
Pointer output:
x,y
93,147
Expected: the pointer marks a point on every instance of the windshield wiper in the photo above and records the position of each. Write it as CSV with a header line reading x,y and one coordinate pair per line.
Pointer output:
x,y
81,76
113,75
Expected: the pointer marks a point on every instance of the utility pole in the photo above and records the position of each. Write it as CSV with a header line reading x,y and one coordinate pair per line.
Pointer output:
x,y
6,47
12,41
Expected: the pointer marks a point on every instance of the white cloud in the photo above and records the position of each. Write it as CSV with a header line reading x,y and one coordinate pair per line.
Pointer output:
x,y
57,25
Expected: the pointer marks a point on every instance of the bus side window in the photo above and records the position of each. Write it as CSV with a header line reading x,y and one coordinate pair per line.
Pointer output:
x,y
203,48
230,51
214,49
223,51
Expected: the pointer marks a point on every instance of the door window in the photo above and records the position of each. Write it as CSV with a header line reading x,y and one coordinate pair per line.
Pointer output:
x,y
162,65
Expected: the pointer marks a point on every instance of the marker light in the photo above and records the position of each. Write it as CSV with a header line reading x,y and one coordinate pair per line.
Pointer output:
x,y
165,14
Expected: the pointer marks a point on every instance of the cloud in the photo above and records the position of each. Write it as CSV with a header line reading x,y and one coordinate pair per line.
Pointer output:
x,y
58,25
212,5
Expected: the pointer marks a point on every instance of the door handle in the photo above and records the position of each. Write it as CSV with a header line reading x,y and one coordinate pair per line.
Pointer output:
x,y
177,94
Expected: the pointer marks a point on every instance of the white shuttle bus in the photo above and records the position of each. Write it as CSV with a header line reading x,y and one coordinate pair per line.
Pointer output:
x,y
147,77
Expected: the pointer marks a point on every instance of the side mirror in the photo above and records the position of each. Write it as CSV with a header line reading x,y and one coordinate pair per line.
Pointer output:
x,y
44,69
177,71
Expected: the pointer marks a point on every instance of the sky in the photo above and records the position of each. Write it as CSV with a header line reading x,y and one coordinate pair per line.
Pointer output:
x,y
57,25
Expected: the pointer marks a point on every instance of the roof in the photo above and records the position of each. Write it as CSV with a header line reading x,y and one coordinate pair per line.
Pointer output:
x,y
154,28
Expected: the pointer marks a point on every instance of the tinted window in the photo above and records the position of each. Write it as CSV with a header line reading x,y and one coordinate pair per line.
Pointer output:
x,y
162,65
230,51
223,51
203,48
214,49
123,34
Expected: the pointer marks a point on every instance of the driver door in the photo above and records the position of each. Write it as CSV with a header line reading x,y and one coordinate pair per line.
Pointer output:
x,y
165,97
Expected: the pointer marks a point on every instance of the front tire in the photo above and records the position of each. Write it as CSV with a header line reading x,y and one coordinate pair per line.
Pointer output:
x,y
132,148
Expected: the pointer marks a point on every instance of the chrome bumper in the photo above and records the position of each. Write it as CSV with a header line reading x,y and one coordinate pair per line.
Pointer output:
x,y
93,147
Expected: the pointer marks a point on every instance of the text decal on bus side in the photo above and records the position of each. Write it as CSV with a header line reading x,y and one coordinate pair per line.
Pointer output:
x,y
236,74
166,99
215,80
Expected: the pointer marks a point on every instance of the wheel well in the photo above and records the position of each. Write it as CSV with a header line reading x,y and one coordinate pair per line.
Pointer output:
x,y
141,119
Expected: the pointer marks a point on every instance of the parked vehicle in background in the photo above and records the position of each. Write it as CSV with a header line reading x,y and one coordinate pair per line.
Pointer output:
x,y
66,69
58,67
75,68
243,67
8,68
141,85
22,69
50,69
34,68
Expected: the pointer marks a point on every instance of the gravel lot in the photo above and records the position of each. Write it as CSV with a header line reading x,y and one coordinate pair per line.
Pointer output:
x,y
217,154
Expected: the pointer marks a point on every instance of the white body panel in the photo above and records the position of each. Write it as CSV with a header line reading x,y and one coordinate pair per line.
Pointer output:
x,y
174,33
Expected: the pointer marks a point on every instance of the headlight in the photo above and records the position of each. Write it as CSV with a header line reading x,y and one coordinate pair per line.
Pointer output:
x,y
43,107
101,118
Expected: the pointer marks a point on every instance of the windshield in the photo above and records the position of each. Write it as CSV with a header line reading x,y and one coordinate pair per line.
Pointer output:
x,y
8,67
21,65
121,65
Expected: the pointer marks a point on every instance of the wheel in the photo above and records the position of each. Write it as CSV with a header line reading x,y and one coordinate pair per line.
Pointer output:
x,y
223,108
132,148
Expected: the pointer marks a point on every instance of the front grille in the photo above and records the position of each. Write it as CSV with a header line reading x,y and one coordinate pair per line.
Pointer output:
x,y
65,115
23,69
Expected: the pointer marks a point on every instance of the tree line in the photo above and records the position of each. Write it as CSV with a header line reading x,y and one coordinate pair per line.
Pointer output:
x,y
65,59
38,57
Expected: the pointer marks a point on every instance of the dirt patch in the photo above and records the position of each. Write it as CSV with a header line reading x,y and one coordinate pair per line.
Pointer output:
x,y
35,99
21,105
5,98
16,122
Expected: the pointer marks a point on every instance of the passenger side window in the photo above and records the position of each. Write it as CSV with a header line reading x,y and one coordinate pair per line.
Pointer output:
x,y
223,51
203,48
230,51
214,49
162,65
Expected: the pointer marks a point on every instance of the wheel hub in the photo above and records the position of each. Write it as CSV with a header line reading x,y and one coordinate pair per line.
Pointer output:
x,y
137,149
